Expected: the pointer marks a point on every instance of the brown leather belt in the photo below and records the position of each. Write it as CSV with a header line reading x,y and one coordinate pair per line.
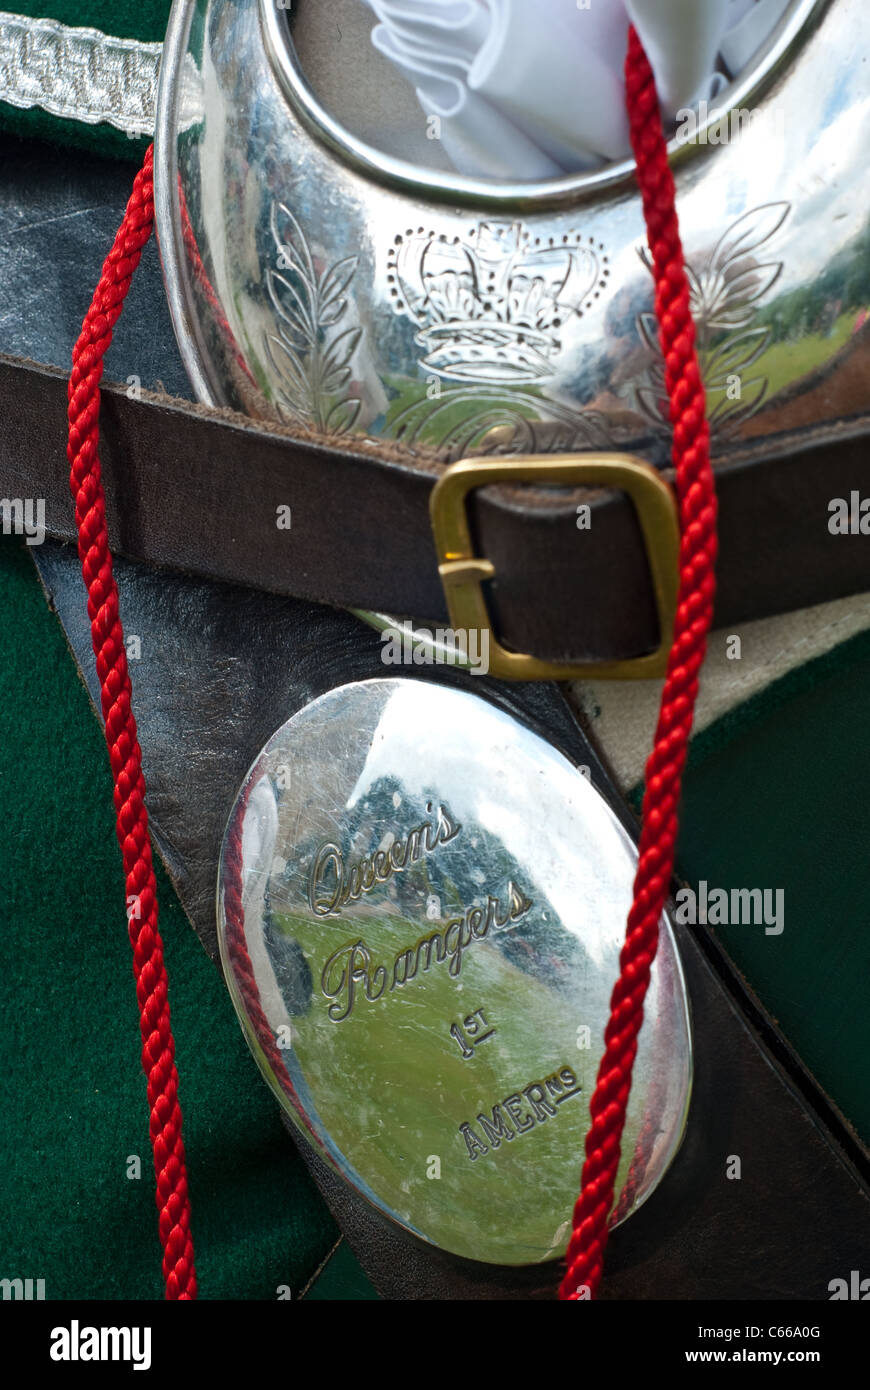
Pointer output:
x,y
196,491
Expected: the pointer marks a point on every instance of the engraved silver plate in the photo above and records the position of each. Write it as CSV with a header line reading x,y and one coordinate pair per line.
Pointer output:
x,y
421,906
315,280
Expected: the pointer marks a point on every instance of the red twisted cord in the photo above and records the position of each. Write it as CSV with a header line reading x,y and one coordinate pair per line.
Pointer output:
x,y
158,1047
697,504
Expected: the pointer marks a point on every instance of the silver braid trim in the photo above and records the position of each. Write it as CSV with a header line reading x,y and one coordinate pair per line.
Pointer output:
x,y
79,74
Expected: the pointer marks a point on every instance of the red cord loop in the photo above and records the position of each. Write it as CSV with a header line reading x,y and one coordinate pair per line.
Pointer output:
x,y
664,769
697,502
158,1046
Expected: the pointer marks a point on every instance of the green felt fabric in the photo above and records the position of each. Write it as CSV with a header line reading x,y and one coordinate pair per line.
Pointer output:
x,y
74,1107
145,20
776,797
341,1280
125,19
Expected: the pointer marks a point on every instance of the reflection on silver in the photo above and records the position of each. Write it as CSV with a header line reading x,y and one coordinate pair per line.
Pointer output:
x,y
313,280
421,906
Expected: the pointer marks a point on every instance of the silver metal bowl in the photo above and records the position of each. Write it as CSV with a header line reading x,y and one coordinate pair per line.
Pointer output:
x,y
319,281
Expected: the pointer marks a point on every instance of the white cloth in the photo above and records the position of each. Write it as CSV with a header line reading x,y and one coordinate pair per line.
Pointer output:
x,y
623,714
530,89
682,39
749,29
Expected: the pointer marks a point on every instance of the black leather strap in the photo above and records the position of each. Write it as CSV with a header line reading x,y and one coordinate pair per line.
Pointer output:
x,y
193,490
221,668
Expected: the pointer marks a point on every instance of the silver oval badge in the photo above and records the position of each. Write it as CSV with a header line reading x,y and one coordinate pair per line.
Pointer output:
x,y
421,906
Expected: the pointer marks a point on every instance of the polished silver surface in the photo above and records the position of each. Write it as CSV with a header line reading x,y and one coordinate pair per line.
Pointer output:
x,y
318,282
298,87
421,906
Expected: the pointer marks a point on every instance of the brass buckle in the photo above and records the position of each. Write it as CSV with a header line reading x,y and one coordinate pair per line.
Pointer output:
x,y
462,572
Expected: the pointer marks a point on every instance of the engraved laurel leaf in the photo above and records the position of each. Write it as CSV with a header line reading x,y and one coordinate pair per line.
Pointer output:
x,y
292,245
735,355
653,403
736,300
726,415
341,350
289,365
696,289
333,381
311,361
291,306
749,232
725,291
343,416
733,278
333,286
649,331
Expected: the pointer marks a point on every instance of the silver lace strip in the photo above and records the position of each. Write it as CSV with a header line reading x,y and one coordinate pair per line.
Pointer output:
x,y
80,74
